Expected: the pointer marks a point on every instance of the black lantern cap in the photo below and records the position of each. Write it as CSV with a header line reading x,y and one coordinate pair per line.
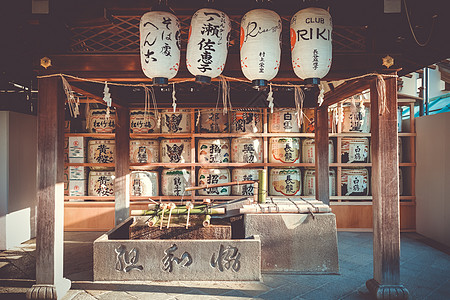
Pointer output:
x,y
202,79
312,81
259,83
160,81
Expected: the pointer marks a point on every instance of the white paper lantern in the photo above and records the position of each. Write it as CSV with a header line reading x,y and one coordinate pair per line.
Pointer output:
x,y
160,45
207,47
311,30
260,45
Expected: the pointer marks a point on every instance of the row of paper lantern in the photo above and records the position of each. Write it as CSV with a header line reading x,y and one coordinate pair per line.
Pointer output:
x,y
260,44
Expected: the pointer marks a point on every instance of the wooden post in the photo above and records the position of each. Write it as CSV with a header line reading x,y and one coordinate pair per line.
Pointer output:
x,y
385,195
122,160
50,283
321,154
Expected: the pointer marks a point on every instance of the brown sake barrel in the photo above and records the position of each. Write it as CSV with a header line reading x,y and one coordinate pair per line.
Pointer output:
x,y
101,183
144,151
144,183
309,182
356,119
214,176
355,150
213,121
175,150
284,120
176,122
284,150
285,182
246,121
247,150
175,181
97,121
143,122
101,151
213,151
309,151
355,182
243,174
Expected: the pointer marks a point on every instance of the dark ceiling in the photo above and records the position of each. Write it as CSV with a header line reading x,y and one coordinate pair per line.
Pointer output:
x,y
363,33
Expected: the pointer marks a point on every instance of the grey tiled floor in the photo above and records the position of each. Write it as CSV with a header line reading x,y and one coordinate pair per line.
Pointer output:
x,y
425,272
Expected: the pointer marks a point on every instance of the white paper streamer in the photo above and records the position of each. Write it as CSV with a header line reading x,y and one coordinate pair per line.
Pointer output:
x,y
174,99
270,98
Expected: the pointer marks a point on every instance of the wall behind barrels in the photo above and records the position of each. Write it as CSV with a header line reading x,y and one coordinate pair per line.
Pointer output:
x,y
433,177
18,148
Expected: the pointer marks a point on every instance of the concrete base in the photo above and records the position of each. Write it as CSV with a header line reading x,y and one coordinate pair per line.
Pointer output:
x,y
296,242
387,292
118,258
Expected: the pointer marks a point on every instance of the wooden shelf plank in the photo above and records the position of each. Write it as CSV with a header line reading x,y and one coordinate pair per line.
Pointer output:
x,y
95,198
92,135
105,165
160,135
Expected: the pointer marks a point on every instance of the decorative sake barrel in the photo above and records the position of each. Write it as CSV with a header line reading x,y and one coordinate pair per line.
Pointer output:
x,y
176,122
356,119
247,150
175,181
399,119
144,183
213,121
101,183
309,151
284,120
400,181
284,150
285,182
309,123
355,182
98,122
243,175
213,151
175,151
400,150
355,150
101,151
142,122
309,182
144,151
214,176
246,121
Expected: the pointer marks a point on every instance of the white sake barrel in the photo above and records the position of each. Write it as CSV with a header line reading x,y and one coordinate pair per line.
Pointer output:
x,y
213,121
97,121
284,150
239,174
355,150
101,151
141,122
400,150
355,182
144,183
356,119
176,122
213,151
285,182
101,183
246,121
309,182
309,123
284,120
214,176
175,181
144,151
247,150
399,119
175,150
309,151
400,181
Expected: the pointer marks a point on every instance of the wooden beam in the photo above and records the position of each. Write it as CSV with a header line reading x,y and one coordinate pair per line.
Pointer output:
x,y
50,283
99,99
345,90
321,153
385,194
122,160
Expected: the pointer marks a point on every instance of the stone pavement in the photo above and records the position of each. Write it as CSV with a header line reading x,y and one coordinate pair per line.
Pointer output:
x,y
425,272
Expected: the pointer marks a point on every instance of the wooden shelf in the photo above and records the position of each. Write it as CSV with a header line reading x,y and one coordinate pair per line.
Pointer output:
x,y
160,135
91,135
94,198
105,165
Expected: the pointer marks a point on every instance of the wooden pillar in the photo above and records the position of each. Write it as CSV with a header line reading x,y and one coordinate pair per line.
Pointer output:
x,y
321,154
385,194
122,160
50,283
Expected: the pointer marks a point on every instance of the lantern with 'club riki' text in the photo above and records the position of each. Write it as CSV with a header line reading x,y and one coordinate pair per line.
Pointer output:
x,y
260,45
160,45
207,47
311,30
